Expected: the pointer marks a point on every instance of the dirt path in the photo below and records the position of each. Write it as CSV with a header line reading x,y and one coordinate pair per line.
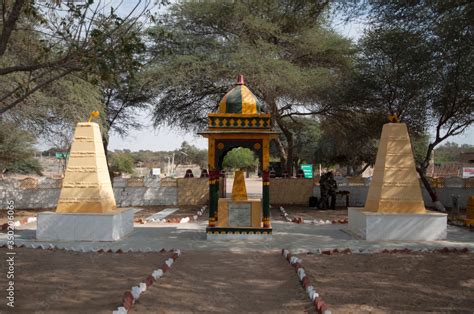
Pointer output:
x,y
72,282
381,283
227,283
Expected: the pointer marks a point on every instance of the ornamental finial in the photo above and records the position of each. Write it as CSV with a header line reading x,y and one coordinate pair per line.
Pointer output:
x,y
240,80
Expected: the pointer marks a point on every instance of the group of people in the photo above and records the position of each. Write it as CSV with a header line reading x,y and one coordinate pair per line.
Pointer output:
x,y
328,187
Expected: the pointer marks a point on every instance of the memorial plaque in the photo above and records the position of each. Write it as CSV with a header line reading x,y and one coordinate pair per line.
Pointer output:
x,y
240,214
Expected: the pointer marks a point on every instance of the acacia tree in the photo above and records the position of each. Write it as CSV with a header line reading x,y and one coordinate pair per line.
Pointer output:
x,y
240,158
125,88
69,41
16,150
417,62
350,139
289,56
61,60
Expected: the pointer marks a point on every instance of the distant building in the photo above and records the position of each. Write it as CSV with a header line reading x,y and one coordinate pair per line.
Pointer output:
x,y
454,169
466,158
180,170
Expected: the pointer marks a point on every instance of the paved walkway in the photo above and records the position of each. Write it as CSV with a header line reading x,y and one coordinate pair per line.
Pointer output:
x,y
192,236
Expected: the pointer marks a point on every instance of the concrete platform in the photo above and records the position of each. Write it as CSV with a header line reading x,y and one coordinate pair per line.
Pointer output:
x,y
52,226
192,236
373,226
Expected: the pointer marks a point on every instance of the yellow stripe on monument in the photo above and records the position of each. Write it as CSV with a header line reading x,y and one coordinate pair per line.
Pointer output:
x,y
222,104
249,103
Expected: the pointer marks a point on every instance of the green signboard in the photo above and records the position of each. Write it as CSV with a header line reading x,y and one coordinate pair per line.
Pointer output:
x,y
62,155
307,170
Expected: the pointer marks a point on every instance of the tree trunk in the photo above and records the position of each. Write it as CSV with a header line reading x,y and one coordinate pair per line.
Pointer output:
x,y
421,169
290,142
434,197
361,171
286,154
289,160
282,152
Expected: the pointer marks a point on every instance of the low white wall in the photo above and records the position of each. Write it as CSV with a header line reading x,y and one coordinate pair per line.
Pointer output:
x,y
31,193
36,193
359,194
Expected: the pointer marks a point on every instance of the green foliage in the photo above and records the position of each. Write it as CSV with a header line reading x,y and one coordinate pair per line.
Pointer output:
x,y
350,140
289,56
121,162
186,154
416,61
16,150
450,152
394,76
26,166
125,89
190,154
419,146
285,52
240,158
63,60
307,134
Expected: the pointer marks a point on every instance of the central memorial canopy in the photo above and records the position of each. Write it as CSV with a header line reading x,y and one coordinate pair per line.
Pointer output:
x,y
239,122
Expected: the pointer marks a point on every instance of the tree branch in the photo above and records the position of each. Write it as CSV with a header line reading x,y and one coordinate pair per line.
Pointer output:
x,y
37,87
9,25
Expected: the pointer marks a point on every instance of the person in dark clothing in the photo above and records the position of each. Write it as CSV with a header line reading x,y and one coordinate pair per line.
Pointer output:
x,y
331,187
323,201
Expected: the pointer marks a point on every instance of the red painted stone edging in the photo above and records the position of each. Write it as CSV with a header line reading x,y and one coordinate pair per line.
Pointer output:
x,y
130,297
319,304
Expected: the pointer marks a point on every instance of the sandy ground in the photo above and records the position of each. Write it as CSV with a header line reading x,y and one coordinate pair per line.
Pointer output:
x,y
224,282
59,281
309,213
381,283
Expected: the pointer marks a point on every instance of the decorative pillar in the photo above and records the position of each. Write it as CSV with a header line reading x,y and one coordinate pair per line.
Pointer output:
x,y
266,184
266,198
213,196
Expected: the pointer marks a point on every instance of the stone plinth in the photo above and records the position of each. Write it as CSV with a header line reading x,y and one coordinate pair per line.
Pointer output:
x,y
86,185
395,187
232,213
238,220
111,226
373,226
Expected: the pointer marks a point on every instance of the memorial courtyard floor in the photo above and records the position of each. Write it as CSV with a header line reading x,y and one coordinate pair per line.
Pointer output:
x,y
240,276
